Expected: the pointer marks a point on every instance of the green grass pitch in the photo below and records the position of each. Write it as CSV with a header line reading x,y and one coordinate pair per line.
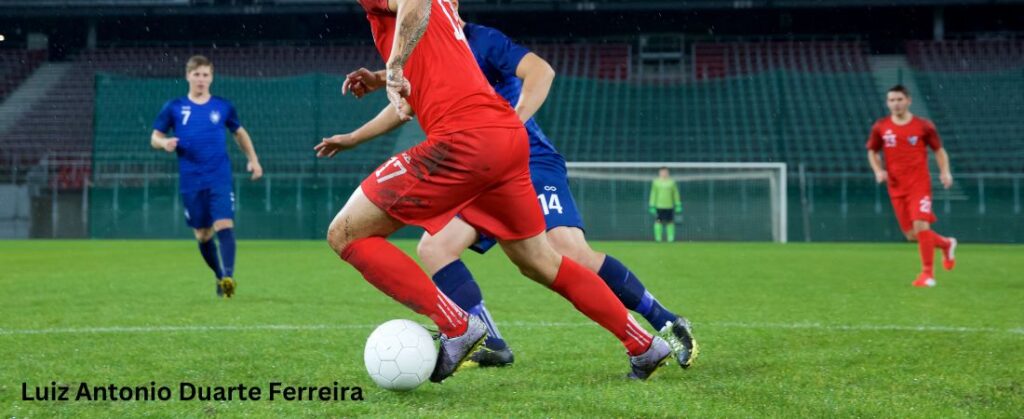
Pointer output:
x,y
797,330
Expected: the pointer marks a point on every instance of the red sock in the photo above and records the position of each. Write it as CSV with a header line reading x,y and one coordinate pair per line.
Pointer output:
x,y
394,273
926,245
939,241
589,294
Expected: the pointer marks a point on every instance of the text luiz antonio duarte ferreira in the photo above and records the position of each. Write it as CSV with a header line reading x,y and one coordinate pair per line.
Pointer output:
x,y
185,391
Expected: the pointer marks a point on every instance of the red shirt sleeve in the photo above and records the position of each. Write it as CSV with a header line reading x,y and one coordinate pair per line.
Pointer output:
x,y
931,136
376,7
874,139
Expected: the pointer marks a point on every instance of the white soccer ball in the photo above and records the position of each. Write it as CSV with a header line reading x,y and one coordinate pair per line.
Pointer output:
x,y
400,355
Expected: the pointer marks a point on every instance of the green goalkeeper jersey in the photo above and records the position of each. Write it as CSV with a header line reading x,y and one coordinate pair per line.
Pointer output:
x,y
664,194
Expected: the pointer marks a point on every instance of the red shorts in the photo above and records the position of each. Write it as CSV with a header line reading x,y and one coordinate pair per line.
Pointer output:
x,y
482,174
914,206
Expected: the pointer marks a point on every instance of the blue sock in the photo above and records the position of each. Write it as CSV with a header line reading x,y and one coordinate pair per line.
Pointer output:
x,y
633,294
455,281
226,237
209,251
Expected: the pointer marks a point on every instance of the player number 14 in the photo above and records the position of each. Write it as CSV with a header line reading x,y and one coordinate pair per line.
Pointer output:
x,y
550,203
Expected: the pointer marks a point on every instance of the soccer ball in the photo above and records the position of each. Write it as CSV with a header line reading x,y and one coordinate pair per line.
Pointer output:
x,y
400,355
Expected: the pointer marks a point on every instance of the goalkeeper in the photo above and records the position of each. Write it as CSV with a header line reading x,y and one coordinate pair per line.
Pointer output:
x,y
665,204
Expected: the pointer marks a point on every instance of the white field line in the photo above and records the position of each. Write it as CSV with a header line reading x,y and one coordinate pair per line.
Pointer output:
x,y
513,324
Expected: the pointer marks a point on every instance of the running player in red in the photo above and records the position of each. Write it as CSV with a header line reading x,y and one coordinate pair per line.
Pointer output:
x,y
474,162
902,137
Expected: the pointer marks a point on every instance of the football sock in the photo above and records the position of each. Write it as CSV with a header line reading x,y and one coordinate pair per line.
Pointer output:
x,y
457,283
393,272
633,294
591,297
657,232
226,238
671,230
926,245
209,251
940,241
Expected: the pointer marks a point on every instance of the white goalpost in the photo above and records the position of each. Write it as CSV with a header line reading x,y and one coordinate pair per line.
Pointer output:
x,y
721,201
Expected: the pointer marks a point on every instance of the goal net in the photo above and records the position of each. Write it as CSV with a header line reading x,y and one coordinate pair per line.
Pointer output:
x,y
720,201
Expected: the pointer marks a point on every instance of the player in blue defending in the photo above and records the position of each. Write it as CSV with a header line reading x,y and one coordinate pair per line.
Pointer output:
x,y
524,79
198,121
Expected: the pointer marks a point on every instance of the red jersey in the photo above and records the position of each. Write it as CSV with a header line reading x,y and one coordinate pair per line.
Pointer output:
x,y
906,158
449,93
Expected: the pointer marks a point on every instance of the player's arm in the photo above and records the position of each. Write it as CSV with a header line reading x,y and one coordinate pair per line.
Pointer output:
x,y
161,141
363,81
537,76
942,159
874,144
385,121
875,160
411,21
244,142
676,199
654,198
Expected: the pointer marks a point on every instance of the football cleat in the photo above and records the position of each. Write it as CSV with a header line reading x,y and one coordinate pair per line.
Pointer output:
x,y
643,366
486,357
949,256
456,350
679,336
924,280
227,285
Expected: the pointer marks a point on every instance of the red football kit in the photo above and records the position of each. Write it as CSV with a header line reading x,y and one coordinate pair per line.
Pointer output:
x,y
475,160
906,160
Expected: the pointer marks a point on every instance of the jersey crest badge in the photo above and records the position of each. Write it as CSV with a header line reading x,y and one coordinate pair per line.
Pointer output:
x,y
912,140
214,117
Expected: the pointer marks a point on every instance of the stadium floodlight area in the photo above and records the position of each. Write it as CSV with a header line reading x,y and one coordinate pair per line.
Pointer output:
x,y
720,201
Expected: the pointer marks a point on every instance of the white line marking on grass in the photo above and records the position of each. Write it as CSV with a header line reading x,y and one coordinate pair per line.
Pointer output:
x,y
516,324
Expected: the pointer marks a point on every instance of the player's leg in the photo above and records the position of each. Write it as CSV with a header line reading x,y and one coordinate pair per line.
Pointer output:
x,y
357,234
537,260
658,230
440,255
670,231
221,207
571,242
198,217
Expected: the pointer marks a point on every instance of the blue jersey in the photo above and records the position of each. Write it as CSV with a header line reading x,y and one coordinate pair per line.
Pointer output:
x,y
498,58
202,152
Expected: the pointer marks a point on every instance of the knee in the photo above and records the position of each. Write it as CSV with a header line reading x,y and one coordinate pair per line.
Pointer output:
x,y
435,253
204,234
336,237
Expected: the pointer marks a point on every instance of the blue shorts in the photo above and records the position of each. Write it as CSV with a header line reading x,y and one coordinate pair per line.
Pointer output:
x,y
205,206
551,182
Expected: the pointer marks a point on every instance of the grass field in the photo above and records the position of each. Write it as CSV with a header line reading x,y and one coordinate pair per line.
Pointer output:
x,y
786,331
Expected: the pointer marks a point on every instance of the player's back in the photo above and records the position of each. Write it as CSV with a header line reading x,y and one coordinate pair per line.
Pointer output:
x,y
449,94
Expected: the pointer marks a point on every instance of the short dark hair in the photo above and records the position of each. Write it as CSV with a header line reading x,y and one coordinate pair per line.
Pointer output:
x,y
663,168
899,88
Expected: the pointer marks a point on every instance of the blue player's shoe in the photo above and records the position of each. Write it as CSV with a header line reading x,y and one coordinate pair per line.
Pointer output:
x,y
679,336
646,364
226,287
456,350
486,357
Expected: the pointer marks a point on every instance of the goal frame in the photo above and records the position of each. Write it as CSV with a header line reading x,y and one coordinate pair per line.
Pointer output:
x,y
777,184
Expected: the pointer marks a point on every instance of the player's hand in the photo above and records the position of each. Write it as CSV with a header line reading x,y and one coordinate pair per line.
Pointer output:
x,y
679,209
361,82
946,179
399,89
171,144
254,168
882,176
652,210
334,144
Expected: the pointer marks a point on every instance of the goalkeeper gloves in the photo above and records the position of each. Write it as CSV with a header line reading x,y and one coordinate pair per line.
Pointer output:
x,y
679,209
653,211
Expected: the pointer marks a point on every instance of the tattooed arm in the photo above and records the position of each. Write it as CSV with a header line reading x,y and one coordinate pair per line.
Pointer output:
x,y
411,24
